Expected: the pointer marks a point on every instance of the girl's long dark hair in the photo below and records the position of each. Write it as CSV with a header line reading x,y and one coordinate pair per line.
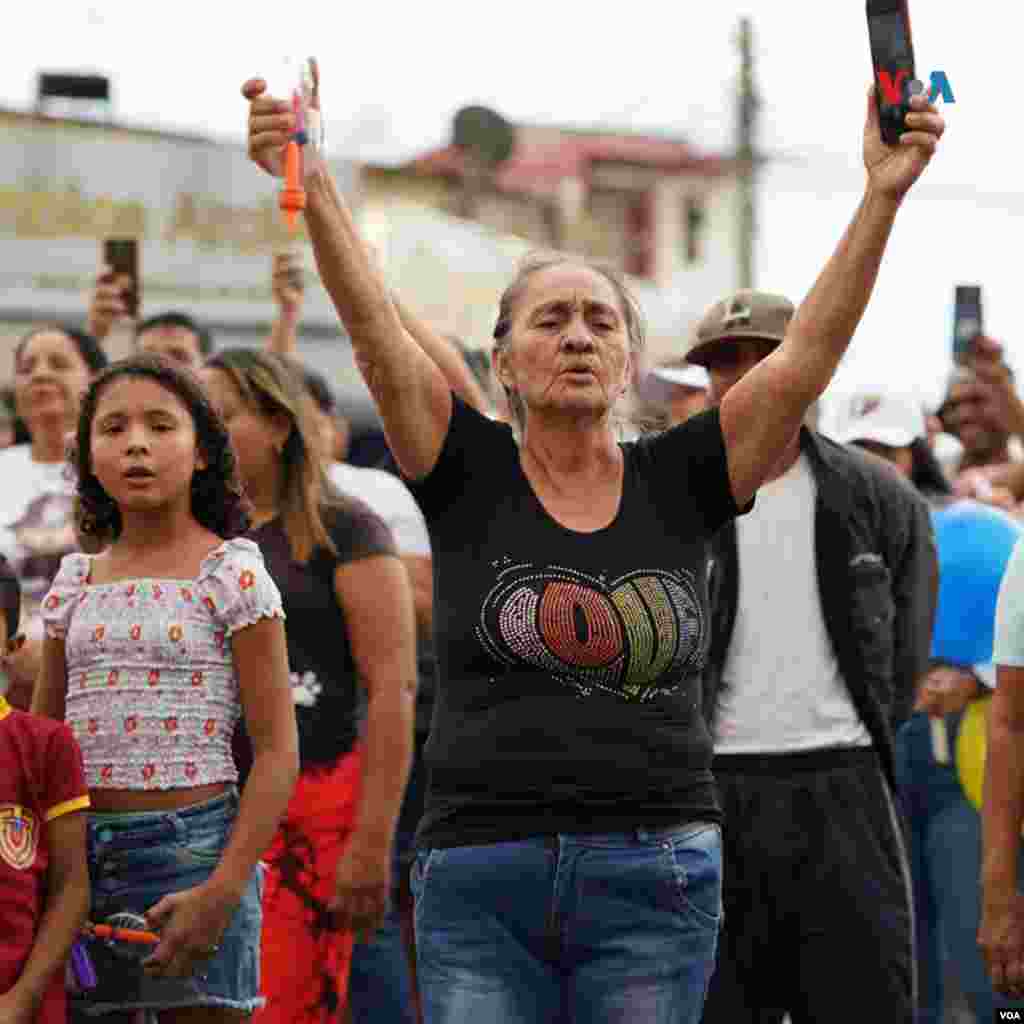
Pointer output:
x,y
218,500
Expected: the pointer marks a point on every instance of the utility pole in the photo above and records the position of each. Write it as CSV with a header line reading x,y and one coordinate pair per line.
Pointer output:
x,y
747,106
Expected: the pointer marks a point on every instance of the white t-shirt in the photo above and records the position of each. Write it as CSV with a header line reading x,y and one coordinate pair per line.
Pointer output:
x,y
1008,648
36,527
386,495
784,691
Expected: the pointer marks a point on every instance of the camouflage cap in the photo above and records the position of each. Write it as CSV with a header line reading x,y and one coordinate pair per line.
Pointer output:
x,y
744,314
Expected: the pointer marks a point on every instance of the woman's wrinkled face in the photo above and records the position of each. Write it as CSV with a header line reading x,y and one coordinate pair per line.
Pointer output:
x,y
568,349
50,377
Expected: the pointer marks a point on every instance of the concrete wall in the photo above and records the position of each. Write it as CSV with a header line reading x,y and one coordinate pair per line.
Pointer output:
x,y
207,221
596,224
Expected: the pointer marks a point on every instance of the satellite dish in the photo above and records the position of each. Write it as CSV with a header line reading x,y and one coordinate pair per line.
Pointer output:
x,y
485,134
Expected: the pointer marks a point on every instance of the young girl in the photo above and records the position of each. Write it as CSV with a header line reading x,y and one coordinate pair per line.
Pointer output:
x,y
351,626
153,650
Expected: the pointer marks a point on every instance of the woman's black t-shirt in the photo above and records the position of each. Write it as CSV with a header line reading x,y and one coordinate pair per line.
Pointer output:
x,y
569,663
324,682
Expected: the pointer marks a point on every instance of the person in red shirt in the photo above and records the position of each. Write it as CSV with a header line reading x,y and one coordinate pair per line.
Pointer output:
x,y
44,882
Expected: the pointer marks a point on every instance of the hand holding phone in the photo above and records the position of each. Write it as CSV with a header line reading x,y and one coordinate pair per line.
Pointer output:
x,y
122,256
287,282
106,305
892,57
967,321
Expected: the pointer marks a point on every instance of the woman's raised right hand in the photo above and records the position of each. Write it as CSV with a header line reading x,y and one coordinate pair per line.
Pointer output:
x,y
271,123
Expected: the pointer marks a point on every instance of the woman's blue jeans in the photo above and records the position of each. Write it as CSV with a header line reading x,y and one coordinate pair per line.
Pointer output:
x,y
570,929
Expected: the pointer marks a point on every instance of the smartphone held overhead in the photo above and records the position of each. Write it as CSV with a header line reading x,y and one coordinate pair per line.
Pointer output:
x,y
122,256
892,57
967,320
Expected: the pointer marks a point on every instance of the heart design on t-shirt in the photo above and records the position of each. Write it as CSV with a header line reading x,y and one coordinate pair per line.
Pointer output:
x,y
636,636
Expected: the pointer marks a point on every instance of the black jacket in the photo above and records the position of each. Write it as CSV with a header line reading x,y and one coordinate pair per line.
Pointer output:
x,y
877,581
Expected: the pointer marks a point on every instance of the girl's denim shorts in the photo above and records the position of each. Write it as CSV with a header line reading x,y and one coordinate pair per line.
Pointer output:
x,y
137,859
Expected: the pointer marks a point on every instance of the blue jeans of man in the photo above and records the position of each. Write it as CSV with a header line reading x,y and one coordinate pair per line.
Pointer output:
x,y
945,864
570,929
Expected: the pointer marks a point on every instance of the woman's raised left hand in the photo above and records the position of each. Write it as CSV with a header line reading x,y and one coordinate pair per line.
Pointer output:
x,y
892,170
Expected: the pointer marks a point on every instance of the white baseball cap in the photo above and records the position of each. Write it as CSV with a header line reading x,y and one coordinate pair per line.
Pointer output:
x,y
893,420
684,375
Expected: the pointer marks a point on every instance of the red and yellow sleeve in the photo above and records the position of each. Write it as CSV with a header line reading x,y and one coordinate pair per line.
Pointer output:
x,y
64,789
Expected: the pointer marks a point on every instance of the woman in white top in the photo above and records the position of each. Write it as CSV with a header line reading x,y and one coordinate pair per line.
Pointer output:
x,y
52,368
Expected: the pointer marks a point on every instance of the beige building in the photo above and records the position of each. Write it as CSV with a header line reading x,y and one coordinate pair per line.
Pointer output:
x,y
206,220
208,223
656,209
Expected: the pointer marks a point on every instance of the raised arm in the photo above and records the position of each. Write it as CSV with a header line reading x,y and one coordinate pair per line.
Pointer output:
x,y
763,412
288,291
447,358
411,393
106,303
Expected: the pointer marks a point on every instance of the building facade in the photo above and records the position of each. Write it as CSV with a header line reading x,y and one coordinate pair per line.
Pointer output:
x,y
655,209
206,220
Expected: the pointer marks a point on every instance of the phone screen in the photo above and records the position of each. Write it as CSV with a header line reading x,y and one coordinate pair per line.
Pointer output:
x,y
889,41
122,256
892,54
967,322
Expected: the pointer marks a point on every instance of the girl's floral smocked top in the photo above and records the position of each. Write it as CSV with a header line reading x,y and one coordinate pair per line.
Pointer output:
x,y
152,695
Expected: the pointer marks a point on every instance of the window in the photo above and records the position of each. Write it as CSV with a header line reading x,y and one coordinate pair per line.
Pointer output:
x,y
554,223
640,236
693,229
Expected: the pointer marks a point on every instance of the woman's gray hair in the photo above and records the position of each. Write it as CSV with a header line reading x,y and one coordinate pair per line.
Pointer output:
x,y
536,262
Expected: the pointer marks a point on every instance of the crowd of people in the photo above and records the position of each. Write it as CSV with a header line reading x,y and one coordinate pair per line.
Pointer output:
x,y
549,714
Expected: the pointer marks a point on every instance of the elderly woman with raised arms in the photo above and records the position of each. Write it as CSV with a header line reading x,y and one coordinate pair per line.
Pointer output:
x,y
569,859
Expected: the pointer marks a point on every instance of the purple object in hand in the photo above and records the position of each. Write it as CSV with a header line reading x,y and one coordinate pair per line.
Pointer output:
x,y
81,965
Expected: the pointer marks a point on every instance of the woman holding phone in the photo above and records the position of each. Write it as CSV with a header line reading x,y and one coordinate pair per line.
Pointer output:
x,y
569,863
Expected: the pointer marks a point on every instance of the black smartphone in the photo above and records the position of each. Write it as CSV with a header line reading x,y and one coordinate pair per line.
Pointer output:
x,y
967,321
122,256
892,57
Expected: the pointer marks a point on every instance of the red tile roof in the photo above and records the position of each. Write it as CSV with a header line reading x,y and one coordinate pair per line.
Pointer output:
x,y
539,162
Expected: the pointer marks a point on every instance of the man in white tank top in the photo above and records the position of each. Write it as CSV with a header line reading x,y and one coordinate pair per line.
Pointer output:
x,y
822,599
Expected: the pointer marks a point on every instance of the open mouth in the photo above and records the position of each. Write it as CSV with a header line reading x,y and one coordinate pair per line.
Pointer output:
x,y
138,473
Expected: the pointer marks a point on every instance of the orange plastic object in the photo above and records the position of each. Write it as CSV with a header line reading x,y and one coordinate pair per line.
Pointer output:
x,y
106,931
293,195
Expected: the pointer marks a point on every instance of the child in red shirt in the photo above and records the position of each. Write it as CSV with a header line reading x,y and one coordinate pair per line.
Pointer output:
x,y
44,882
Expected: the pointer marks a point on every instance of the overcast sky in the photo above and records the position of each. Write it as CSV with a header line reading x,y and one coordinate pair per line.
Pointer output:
x,y
394,74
